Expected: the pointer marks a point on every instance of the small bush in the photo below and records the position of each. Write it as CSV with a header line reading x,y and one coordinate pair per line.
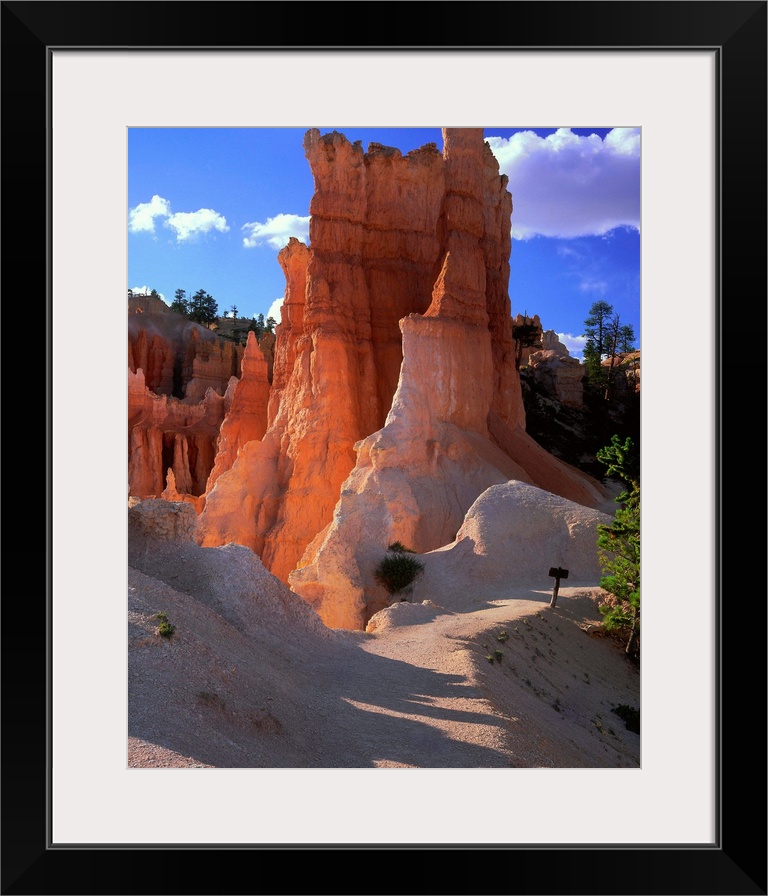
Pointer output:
x,y
399,548
397,570
165,629
498,655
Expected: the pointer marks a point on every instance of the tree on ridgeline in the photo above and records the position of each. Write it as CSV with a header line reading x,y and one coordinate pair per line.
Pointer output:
x,y
257,326
180,303
203,308
606,337
596,329
626,341
270,325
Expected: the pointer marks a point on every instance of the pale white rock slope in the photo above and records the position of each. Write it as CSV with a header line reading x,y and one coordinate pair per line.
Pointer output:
x,y
476,670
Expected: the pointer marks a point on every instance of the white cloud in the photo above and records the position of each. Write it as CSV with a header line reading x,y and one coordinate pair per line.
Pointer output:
x,y
275,309
142,216
276,232
567,186
186,224
190,224
574,344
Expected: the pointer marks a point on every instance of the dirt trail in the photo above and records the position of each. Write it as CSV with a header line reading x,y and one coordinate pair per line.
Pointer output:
x,y
251,679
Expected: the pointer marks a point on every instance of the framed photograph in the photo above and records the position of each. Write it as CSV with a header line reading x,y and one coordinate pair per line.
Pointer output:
x,y
692,77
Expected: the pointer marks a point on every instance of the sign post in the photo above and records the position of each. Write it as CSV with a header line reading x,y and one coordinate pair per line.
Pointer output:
x,y
557,573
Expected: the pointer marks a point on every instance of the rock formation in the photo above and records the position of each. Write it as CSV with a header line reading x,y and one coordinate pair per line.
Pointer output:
x,y
395,398
165,433
162,520
208,364
624,372
181,382
559,375
550,342
246,418
178,356
514,532
374,257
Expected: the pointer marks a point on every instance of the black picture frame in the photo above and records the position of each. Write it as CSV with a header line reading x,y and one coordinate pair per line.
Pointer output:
x,y
736,863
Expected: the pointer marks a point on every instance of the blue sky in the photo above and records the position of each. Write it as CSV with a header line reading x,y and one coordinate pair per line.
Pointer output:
x,y
209,208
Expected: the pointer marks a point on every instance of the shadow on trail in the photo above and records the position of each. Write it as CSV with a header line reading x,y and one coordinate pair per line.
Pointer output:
x,y
346,708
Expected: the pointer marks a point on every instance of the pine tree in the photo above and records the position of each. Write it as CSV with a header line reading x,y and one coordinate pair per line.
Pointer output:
x,y
180,303
257,326
203,308
626,338
597,329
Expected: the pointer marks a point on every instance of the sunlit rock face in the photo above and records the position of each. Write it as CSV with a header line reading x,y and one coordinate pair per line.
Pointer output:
x,y
374,255
246,418
395,399
550,342
456,425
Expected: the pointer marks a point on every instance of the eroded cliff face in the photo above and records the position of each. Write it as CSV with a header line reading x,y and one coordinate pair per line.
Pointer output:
x,y
395,400
181,384
374,257
165,433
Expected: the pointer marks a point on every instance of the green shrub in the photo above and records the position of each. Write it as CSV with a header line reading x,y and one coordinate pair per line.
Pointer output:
x,y
399,548
165,629
397,570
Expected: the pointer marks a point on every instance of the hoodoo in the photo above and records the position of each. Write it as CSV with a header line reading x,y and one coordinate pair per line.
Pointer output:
x,y
395,400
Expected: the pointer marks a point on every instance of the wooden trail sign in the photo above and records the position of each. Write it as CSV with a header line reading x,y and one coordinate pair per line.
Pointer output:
x,y
557,573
